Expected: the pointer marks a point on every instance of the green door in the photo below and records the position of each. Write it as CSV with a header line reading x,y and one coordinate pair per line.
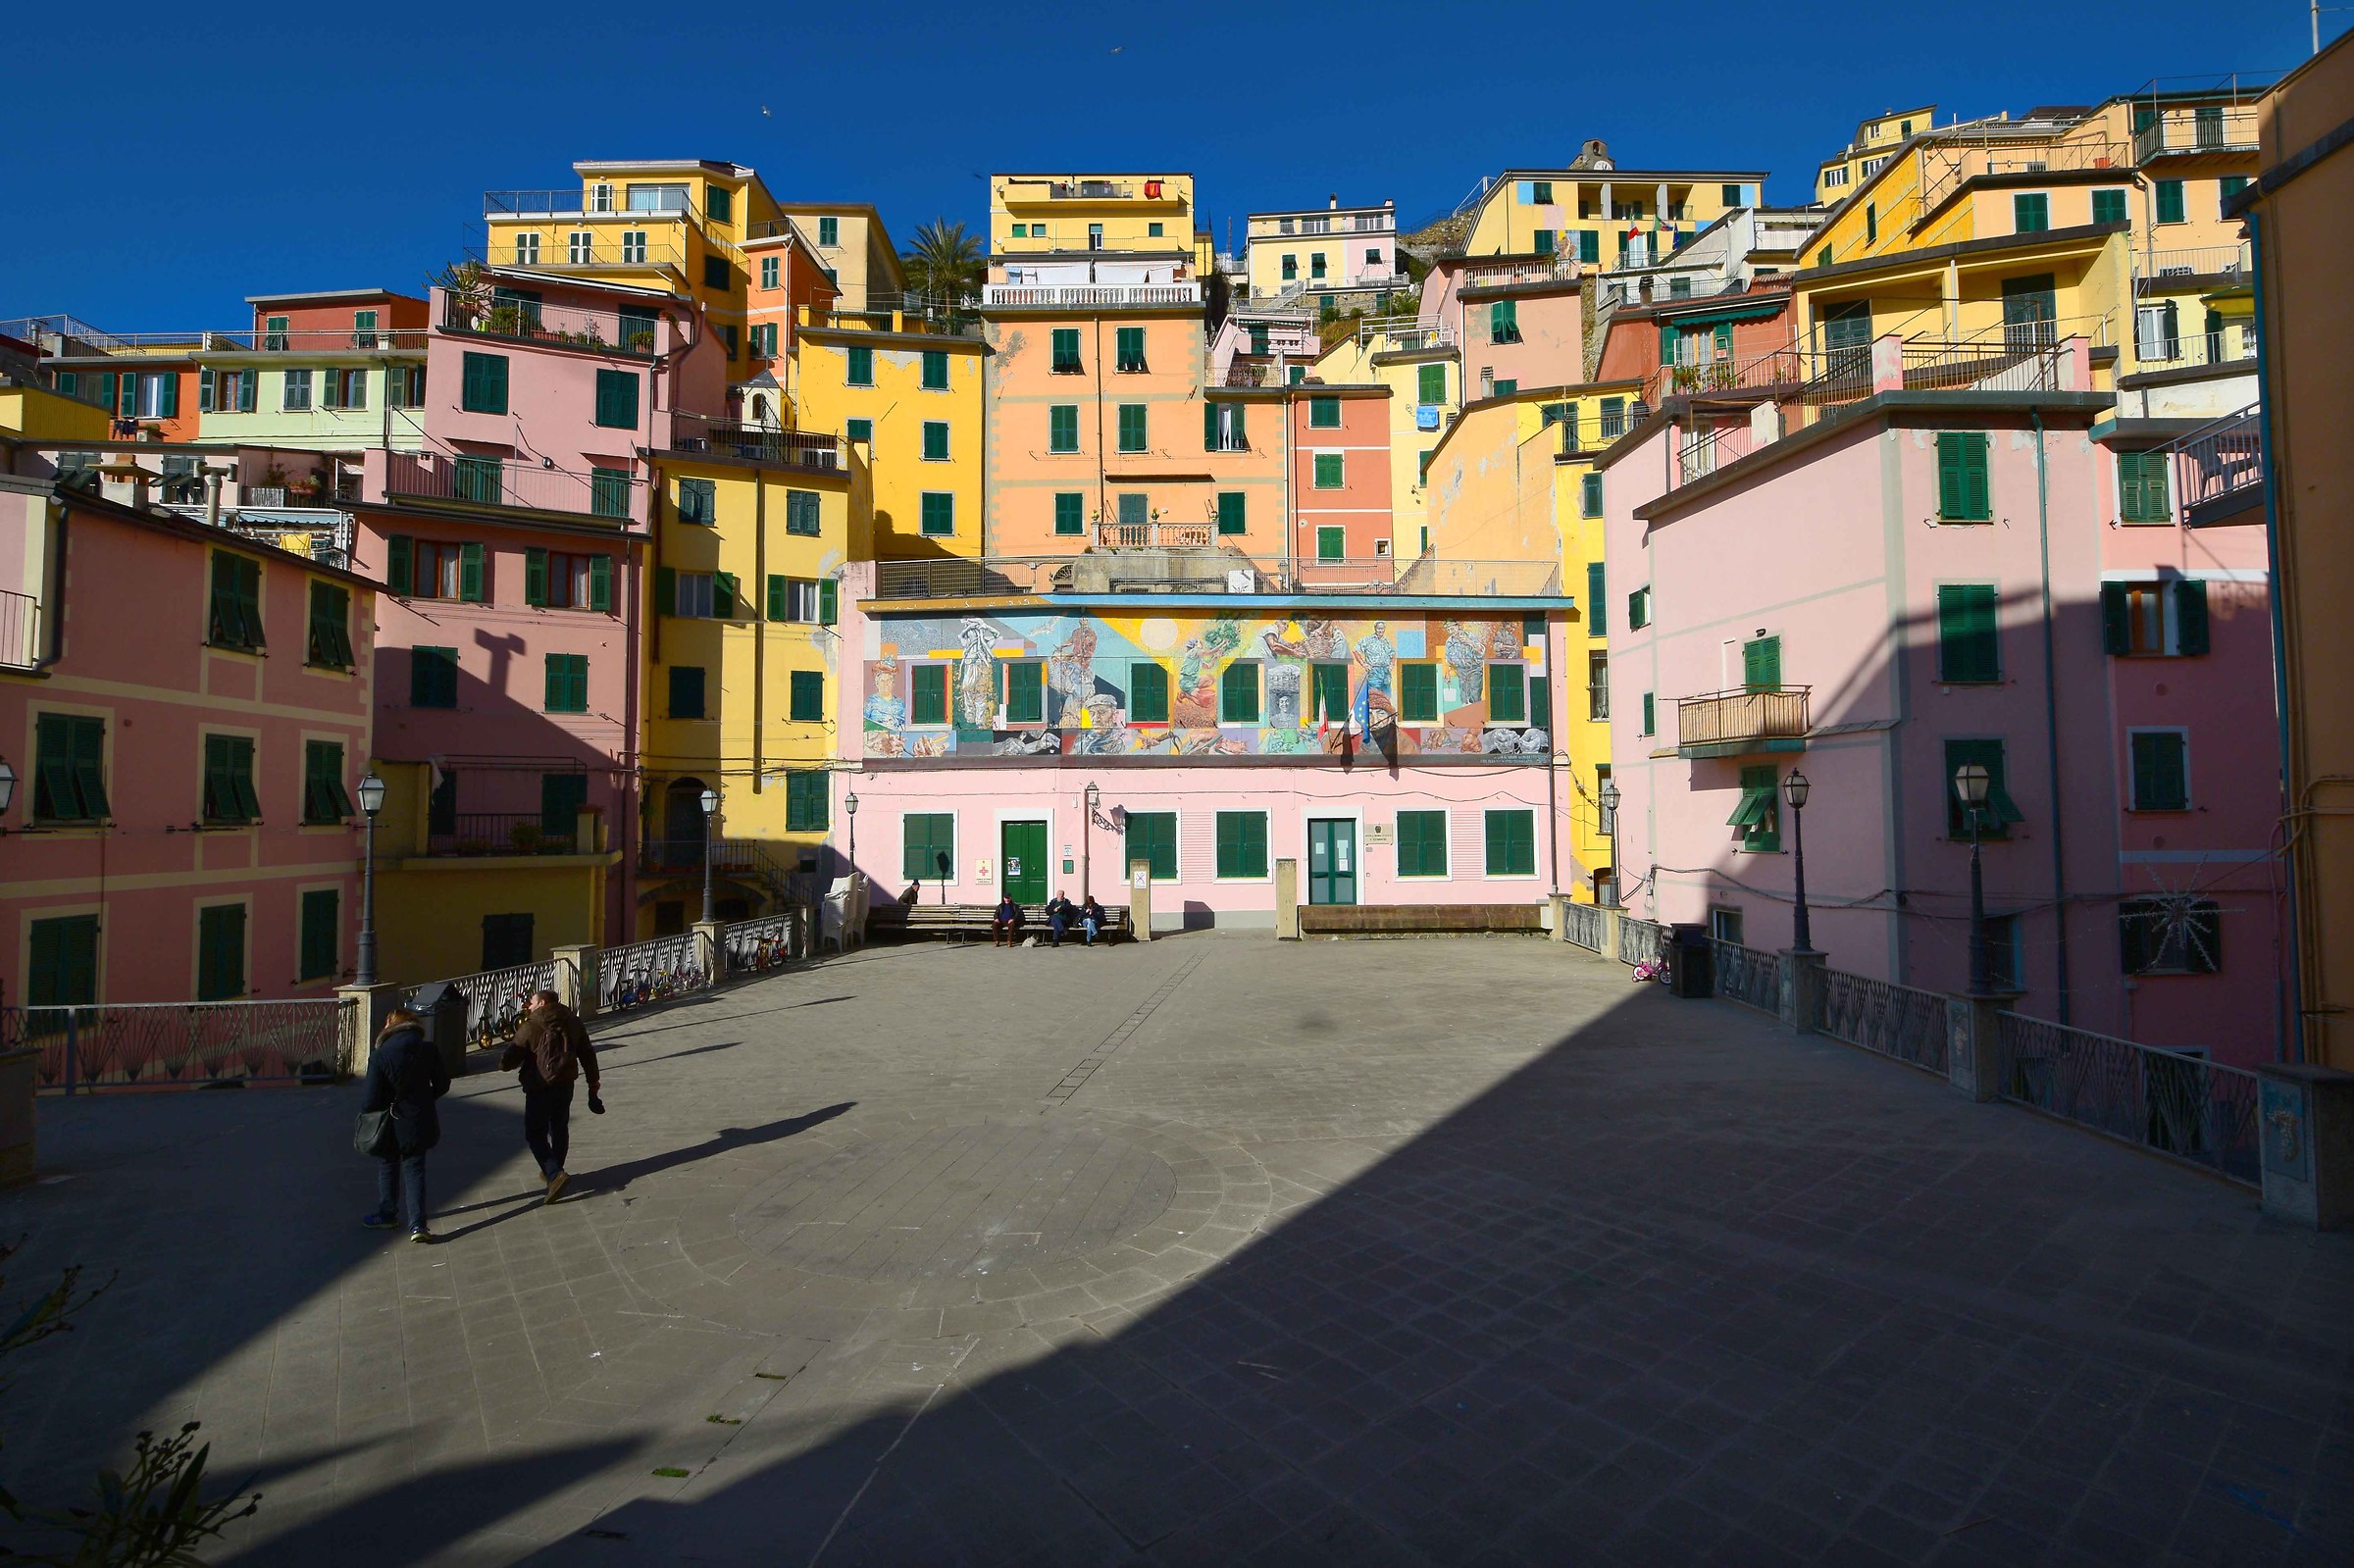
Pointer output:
x,y
1022,847
1331,861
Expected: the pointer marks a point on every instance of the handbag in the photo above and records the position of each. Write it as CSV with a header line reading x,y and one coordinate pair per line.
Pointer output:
x,y
372,1135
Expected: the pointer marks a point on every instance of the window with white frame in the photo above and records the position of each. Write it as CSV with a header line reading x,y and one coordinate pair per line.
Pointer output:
x,y
527,250
582,247
693,594
633,248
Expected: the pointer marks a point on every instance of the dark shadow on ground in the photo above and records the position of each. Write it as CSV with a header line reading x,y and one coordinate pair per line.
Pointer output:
x,y
614,1178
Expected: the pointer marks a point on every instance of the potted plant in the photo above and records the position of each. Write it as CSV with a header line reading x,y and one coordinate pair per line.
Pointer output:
x,y
524,838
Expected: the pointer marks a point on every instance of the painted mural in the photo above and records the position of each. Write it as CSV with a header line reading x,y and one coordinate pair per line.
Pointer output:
x,y
1087,668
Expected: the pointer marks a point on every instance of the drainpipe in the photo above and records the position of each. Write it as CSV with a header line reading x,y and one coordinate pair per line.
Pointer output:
x,y
2288,1025
2051,706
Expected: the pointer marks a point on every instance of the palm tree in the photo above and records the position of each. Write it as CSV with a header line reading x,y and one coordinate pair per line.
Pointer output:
x,y
945,264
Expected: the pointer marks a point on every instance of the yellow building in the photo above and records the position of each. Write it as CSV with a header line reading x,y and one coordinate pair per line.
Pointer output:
x,y
1601,214
1874,140
1322,251
36,414
905,396
851,246
1423,372
1049,215
743,678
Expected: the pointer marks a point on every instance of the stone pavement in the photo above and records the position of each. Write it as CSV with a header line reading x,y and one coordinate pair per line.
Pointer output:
x,y
1211,1251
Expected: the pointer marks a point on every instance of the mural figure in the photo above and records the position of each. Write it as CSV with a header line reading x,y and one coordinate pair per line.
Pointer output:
x,y
1378,655
1104,734
1283,680
977,677
1466,656
1030,743
883,709
1071,675
1502,742
1196,705
1319,639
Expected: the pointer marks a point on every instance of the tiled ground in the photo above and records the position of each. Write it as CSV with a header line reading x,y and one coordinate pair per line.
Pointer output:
x,y
1212,1251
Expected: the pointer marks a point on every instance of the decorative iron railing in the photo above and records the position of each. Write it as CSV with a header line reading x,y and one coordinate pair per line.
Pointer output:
x,y
647,972
1880,1016
2168,1102
1748,977
162,1045
752,945
1640,941
1582,924
496,1000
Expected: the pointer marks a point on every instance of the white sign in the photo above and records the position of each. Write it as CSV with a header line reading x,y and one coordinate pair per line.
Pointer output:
x,y
1141,881
980,871
1378,833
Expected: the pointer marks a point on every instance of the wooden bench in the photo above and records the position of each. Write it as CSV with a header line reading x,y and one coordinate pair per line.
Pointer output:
x,y
960,922
1419,920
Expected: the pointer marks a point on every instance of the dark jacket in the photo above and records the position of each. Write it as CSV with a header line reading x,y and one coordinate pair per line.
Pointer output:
x,y
550,1048
1091,910
1063,909
405,1075
1009,913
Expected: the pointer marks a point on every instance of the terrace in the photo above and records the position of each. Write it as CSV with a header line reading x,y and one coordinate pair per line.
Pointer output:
x,y
758,443
2219,469
1742,720
472,481
1088,296
1184,558
516,319
2205,131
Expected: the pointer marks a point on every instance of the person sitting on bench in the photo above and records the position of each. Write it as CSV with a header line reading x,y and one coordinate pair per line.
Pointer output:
x,y
1006,926
1091,919
1061,915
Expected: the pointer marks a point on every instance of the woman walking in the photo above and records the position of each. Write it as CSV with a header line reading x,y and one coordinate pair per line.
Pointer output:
x,y
405,1077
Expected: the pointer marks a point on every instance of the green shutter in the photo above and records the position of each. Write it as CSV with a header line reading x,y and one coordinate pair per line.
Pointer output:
x,y
1762,663
470,573
600,583
1651,724
1238,694
1230,512
2170,201
860,372
1422,843
1961,486
666,590
1242,843
1148,693
808,697
1066,349
776,596
221,954
1508,694
1590,495
936,370
1025,691
1966,639
2190,616
535,575
1062,428
928,845
2116,619
88,736
552,697
1419,692
204,392
828,601
1511,844
723,596
1597,596
1503,322
1324,413
1133,437
1152,837
930,694
1431,383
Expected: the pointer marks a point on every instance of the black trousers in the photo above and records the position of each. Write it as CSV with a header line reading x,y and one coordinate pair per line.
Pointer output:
x,y
547,1125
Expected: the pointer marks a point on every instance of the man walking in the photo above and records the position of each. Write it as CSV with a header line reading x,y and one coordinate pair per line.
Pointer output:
x,y
552,1049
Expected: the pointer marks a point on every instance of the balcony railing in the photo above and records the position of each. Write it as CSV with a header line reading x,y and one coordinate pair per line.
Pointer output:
x,y
20,631
602,248
1088,296
315,341
2181,132
500,832
645,201
1725,722
528,486
574,327
1775,368
2160,269
1394,335
1951,158
2219,468
1558,268
759,443
2155,349
1156,535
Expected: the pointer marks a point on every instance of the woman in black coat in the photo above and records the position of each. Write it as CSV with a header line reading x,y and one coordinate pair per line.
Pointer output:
x,y
405,1075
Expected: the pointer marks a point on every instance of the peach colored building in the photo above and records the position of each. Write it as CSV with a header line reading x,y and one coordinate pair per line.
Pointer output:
x,y
1340,474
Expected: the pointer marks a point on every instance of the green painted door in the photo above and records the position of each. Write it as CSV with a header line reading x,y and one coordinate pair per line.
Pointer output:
x,y
1331,861
1022,848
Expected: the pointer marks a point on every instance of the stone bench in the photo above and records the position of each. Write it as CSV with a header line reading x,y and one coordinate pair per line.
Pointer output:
x,y
1421,919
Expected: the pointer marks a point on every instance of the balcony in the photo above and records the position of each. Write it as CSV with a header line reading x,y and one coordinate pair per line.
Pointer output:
x,y
1402,334
2212,130
315,342
1088,296
2164,270
571,326
508,832
1763,373
1156,535
1740,722
1554,269
2219,469
2156,349
20,631
758,443
488,481
599,249
622,201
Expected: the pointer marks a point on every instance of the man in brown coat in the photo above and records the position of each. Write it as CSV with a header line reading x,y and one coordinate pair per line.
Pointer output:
x,y
552,1049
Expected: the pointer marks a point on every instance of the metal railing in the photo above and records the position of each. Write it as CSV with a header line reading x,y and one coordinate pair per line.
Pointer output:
x,y
570,326
1397,334
1775,368
2174,132
2230,344
2022,364
1028,296
1722,717
1950,160
495,999
499,833
1878,1015
600,246
313,341
765,943
2162,269
1747,976
760,443
436,475
1640,941
1558,268
2169,1103
1582,924
653,201
162,1044
2219,460
20,631
651,970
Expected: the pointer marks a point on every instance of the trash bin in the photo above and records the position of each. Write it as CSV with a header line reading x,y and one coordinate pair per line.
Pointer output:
x,y
440,1009
1691,962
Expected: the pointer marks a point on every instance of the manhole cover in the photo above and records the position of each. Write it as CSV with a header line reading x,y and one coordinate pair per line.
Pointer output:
x,y
957,1201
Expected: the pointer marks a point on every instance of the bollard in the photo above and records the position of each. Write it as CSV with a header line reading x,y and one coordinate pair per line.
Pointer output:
x,y
1801,970
712,951
577,978
1139,898
1286,900
1974,1053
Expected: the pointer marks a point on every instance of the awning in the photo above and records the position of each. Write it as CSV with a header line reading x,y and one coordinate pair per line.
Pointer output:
x,y
1737,313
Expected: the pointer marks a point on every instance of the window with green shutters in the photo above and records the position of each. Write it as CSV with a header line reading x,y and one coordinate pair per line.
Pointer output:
x,y
1589,495
482,383
1328,693
1597,596
228,794
1070,512
1242,844
1331,470
2107,206
323,796
1152,837
936,440
1130,341
1998,812
698,501
1589,245
1238,694
858,430
1324,413
1132,428
1508,694
1506,387
63,971
236,619
1872,224
329,645
2170,201
1422,844
1540,192
2030,212
1544,242
1224,427
1231,517
1511,844
928,694
561,798
433,678
686,692
2226,189
2161,770
1148,693
807,702
1503,322
1968,643
2143,493
68,768
318,952
616,399
1419,692
1062,428
220,952
1066,351
928,845
1638,609
718,275
1762,663
1758,815
808,801
1025,691
1651,713
861,370
566,682
936,370
939,514
609,492
1431,382
478,478
1961,492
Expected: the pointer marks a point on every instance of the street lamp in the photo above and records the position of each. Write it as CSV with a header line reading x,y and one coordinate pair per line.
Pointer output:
x,y
849,806
372,801
1971,782
710,808
1794,790
1087,840
1610,825
7,787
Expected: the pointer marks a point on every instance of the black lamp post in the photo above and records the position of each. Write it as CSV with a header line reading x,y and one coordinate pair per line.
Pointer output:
x,y
849,807
1610,825
1087,839
372,801
1970,781
710,810
7,788
1794,790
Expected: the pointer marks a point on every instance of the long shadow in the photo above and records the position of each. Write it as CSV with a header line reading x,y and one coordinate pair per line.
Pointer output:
x,y
614,1178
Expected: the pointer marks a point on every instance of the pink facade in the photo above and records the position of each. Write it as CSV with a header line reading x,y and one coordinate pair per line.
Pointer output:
x,y
1348,520
1516,320
156,670
1828,582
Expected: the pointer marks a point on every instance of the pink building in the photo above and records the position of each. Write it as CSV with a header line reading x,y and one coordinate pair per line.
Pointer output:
x,y
1922,580
186,714
1519,321
1340,474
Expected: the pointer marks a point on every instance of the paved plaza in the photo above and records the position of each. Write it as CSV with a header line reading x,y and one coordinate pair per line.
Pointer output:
x,y
1216,1251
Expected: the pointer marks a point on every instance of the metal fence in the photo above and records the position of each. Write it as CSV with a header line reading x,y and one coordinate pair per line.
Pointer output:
x,y
1880,1016
2165,1101
1583,926
496,1000
1748,977
1641,943
179,1044
649,971
752,945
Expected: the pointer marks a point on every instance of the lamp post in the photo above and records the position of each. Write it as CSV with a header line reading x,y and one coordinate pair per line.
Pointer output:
x,y
1610,825
1794,790
1970,781
372,801
1087,840
710,810
849,806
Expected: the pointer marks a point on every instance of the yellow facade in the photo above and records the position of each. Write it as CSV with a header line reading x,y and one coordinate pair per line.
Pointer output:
x,y
1323,249
889,394
1875,140
1031,215
1588,213
1397,361
37,414
850,243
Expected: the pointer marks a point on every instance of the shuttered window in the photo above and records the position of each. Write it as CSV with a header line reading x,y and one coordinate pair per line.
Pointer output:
x,y
939,514
1508,694
1066,351
1231,518
1762,663
1651,713
804,513
936,440
1324,413
1238,694
686,692
1328,693
2170,201
2170,936
808,697
928,845
1242,843
1331,470
221,952
2143,494
323,796
1152,837
1597,596
1503,322
329,645
1759,814
698,501
2161,770
1998,812
928,694
562,795
936,370
1419,692
1968,643
2030,212
1511,844
1422,844
1025,691
808,801
1131,343
64,967
433,678
236,619
1062,428
2107,206
320,944
1431,382
483,384
1132,428
68,768
1070,512
1589,495
860,372
1962,493
228,794
566,682
1148,693
616,399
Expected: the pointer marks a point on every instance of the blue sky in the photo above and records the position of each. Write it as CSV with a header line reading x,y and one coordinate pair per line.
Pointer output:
x,y
163,162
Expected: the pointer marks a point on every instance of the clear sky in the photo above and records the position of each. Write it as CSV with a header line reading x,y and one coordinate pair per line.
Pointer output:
x,y
164,161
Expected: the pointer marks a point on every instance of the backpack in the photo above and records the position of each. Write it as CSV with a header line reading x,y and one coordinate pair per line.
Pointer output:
x,y
552,1053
